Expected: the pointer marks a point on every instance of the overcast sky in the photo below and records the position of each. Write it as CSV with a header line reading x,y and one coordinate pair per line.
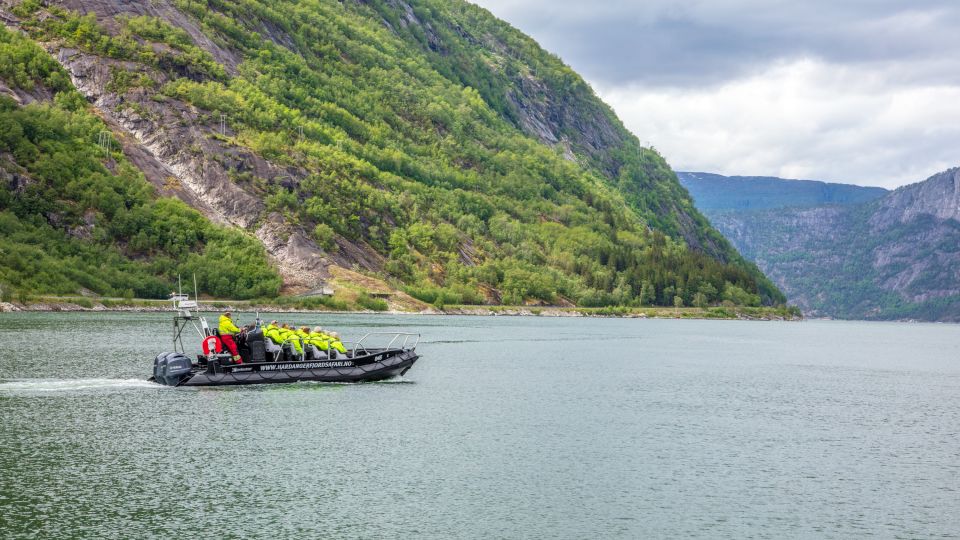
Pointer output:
x,y
855,91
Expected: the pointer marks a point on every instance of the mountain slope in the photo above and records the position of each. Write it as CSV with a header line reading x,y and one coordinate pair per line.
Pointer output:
x,y
894,257
334,135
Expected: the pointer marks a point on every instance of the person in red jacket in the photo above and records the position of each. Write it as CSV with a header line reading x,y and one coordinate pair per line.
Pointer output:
x,y
227,331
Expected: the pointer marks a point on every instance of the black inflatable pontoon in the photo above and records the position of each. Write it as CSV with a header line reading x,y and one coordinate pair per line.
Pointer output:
x,y
260,366
175,369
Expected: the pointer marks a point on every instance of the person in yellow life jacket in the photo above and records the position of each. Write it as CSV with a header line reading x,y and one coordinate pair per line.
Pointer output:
x,y
289,335
272,332
336,344
273,340
303,333
319,339
227,331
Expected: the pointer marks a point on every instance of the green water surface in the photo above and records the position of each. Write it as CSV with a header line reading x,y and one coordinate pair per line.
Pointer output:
x,y
508,427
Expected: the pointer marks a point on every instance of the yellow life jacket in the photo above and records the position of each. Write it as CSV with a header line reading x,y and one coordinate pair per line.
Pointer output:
x,y
320,340
227,326
291,337
272,332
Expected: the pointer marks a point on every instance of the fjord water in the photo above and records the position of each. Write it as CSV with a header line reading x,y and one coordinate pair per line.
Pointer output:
x,y
507,427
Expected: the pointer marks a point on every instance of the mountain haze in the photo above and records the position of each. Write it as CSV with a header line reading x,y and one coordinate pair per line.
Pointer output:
x,y
715,192
372,145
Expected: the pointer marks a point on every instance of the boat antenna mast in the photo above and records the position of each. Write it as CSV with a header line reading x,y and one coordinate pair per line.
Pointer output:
x,y
182,304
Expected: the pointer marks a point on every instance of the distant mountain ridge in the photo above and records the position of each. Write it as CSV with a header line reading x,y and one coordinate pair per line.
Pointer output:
x,y
892,257
717,192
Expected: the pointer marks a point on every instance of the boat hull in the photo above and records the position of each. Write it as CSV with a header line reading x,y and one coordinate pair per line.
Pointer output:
x,y
374,367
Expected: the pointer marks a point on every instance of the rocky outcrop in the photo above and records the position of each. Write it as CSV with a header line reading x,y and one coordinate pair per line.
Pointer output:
x,y
107,10
23,97
173,135
938,196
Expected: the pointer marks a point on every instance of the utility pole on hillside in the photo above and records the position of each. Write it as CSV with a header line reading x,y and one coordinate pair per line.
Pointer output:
x,y
105,141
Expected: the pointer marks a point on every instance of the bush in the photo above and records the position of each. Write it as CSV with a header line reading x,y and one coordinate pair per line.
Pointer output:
x,y
373,304
324,235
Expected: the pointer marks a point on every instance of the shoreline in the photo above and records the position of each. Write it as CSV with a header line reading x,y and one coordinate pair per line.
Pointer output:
x,y
160,306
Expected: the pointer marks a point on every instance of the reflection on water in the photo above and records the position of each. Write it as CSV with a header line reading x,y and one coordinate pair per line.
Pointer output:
x,y
507,427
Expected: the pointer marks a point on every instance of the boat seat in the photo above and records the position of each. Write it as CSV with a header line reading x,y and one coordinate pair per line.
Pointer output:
x,y
316,353
272,349
289,353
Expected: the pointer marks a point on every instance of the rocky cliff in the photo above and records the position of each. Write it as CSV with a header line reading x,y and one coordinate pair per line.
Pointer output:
x,y
894,257
938,197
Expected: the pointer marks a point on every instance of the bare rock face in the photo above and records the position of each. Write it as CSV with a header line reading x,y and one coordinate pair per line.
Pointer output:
x,y
301,263
11,175
556,118
171,132
938,196
409,18
23,97
106,10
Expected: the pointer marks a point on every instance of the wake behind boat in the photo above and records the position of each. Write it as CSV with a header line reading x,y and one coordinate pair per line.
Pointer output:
x,y
261,361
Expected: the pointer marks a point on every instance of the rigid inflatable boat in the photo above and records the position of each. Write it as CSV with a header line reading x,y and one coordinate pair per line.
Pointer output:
x,y
264,362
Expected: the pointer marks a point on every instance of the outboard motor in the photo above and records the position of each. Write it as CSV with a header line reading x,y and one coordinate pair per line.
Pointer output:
x,y
171,368
258,350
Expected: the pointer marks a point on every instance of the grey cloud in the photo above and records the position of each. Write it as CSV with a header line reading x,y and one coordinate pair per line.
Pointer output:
x,y
693,43
864,91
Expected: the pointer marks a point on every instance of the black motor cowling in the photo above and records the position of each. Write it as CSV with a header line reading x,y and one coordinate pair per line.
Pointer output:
x,y
171,368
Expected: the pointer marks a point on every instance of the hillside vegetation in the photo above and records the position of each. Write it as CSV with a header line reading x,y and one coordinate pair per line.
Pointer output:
x,y
394,138
76,216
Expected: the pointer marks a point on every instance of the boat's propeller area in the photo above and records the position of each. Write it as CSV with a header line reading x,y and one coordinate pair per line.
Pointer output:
x,y
170,368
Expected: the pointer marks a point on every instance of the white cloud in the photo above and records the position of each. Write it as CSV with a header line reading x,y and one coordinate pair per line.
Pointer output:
x,y
801,119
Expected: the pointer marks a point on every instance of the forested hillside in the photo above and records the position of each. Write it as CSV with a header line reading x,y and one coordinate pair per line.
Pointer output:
x,y
425,144
893,257
75,215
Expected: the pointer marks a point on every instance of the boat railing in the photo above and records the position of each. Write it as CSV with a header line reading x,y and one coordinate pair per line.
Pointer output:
x,y
398,340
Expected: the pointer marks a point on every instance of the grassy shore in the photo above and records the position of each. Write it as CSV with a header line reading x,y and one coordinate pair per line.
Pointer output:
x,y
327,305
713,312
